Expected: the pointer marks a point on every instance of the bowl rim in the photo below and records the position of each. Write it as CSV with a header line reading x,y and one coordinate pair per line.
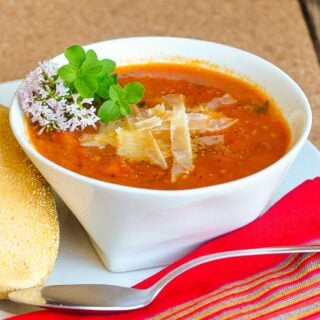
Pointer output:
x,y
218,188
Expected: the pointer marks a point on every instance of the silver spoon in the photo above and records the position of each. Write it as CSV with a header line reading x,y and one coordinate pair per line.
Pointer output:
x,y
106,298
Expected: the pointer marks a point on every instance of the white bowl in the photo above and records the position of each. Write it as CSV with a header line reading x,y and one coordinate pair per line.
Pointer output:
x,y
134,228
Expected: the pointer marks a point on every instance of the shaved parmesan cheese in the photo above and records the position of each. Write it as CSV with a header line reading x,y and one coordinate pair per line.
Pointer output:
x,y
176,171
198,121
220,101
106,135
163,132
173,99
165,147
159,110
203,122
210,140
148,123
165,126
221,124
140,145
197,116
88,140
180,140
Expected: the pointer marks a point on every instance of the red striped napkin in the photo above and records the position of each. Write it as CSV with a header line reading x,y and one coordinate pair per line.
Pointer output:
x,y
264,287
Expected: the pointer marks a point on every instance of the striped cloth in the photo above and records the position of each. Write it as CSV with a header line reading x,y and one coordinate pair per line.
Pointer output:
x,y
256,287
290,290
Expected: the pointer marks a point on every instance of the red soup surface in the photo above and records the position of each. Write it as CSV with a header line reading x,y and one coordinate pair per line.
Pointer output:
x,y
258,138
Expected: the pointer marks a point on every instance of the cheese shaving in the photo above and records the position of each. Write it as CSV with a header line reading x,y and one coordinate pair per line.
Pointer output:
x,y
164,134
221,124
106,135
210,140
226,99
180,139
140,145
148,123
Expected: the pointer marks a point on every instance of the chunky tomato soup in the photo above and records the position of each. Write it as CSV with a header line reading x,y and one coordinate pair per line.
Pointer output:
x,y
255,137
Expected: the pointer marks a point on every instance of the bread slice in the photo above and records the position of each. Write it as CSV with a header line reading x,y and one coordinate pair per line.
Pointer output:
x,y
29,230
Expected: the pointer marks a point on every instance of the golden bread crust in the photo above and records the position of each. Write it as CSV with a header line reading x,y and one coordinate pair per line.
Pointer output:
x,y
29,229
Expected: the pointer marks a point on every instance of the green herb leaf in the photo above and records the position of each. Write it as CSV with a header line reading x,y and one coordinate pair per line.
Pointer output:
x,y
93,78
133,92
90,54
109,111
103,88
91,68
68,73
115,78
86,86
116,92
76,55
108,66
125,109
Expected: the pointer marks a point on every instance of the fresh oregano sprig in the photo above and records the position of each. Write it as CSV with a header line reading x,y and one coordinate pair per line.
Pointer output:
x,y
120,100
90,77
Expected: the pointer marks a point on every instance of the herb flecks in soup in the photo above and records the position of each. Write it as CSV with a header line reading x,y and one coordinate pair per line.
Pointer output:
x,y
194,127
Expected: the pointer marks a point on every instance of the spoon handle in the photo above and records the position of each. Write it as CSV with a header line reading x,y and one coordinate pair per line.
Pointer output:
x,y
157,287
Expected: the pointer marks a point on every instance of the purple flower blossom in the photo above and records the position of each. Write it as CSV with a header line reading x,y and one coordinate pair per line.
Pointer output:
x,y
61,89
47,101
48,68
